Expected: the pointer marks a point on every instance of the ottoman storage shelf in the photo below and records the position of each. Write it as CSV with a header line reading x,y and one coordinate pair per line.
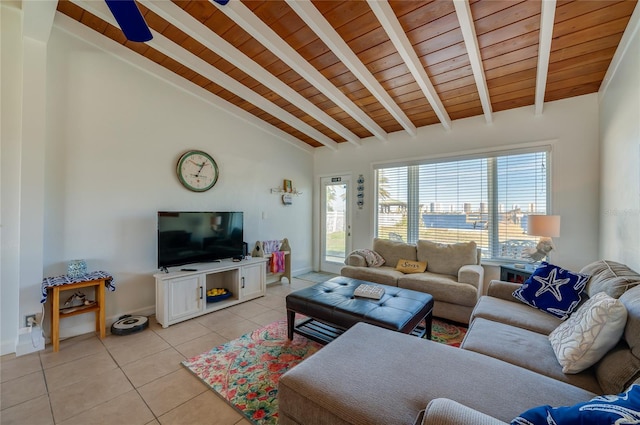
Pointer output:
x,y
332,308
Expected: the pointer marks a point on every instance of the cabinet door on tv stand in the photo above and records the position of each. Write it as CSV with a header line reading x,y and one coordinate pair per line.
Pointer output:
x,y
185,298
252,281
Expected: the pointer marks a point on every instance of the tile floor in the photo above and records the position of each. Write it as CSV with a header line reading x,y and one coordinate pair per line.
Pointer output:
x,y
133,379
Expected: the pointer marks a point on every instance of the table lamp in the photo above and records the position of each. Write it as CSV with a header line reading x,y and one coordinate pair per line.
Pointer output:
x,y
546,226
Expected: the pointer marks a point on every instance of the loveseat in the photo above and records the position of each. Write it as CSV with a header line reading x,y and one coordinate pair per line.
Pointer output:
x,y
505,366
453,274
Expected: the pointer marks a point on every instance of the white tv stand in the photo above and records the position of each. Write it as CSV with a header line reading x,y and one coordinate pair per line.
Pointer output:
x,y
182,295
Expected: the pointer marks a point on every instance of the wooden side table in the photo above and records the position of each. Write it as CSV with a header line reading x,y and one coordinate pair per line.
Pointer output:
x,y
99,280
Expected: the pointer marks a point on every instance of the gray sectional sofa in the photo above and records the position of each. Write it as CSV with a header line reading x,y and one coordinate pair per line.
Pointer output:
x,y
453,276
504,367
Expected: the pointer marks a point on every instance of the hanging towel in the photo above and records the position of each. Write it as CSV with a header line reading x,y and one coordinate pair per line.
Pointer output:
x,y
270,246
277,262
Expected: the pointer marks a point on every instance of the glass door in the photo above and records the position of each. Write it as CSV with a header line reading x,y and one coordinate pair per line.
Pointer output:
x,y
335,199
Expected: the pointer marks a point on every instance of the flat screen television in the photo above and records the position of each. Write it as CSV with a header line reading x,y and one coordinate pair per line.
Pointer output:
x,y
198,237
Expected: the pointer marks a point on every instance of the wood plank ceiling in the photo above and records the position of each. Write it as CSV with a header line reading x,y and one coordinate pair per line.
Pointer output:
x,y
332,72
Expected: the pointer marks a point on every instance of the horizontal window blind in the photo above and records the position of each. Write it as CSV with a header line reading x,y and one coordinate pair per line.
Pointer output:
x,y
484,199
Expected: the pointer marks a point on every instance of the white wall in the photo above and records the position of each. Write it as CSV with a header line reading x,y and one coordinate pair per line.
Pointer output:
x,y
620,155
570,126
11,85
114,135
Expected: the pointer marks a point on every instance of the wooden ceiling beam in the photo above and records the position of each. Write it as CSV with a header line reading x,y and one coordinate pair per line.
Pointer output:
x,y
463,11
177,53
391,25
248,21
314,19
547,18
185,22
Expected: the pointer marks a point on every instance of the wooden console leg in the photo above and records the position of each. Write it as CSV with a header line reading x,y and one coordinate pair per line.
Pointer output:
x,y
291,316
55,318
100,314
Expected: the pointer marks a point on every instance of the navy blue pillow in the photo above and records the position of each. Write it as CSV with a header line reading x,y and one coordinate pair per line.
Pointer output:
x,y
618,409
553,290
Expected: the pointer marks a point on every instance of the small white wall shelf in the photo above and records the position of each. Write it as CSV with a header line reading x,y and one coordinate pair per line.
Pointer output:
x,y
281,191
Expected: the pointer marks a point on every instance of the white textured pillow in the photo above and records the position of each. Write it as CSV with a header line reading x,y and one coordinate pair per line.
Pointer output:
x,y
589,333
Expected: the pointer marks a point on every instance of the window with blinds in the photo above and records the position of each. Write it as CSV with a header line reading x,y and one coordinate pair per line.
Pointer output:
x,y
483,199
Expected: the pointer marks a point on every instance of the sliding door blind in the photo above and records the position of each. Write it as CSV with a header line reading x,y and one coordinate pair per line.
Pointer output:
x,y
482,199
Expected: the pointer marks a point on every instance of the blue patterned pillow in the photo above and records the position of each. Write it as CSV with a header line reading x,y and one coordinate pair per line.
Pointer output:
x,y
618,409
553,290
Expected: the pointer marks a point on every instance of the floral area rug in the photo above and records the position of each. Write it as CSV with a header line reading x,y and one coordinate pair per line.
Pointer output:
x,y
447,332
245,371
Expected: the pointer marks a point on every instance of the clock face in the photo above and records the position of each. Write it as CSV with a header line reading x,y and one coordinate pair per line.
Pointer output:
x,y
197,171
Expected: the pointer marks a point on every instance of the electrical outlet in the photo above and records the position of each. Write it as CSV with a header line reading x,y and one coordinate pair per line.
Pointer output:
x,y
28,319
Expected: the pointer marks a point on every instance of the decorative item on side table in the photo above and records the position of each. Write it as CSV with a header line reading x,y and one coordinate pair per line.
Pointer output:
x,y
76,268
547,226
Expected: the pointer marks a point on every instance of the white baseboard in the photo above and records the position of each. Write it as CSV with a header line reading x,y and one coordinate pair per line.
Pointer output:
x,y
298,272
29,340
7,346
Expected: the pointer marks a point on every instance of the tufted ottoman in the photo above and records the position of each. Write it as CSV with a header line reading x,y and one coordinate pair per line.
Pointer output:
x,y
332,308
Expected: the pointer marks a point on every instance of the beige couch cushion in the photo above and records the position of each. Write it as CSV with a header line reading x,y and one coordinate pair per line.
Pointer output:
x,y
441,287
447,258
610,277
622,364
444,411
383,275
515,313
617,369
393,251
523,348
631,301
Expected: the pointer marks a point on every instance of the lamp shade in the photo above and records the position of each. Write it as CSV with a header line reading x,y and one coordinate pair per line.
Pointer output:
x,y
543,225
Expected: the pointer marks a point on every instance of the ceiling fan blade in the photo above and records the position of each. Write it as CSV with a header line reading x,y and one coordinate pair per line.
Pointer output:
x,y
130,19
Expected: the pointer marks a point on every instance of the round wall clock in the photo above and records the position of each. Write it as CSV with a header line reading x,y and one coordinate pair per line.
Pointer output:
x,y
197,171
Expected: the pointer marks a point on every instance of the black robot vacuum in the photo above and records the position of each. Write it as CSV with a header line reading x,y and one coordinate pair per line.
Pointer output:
x,y
129,324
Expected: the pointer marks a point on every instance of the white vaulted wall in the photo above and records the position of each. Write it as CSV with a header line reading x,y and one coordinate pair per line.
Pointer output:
x,y
114,134
570,126
620,154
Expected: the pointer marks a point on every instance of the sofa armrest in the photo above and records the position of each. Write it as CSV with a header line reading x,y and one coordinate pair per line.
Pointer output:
x,y
356,260
473,274
502,289
444,411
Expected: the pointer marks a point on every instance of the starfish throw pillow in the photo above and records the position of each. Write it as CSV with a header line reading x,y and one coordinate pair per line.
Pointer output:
x,y
553,290
618,409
